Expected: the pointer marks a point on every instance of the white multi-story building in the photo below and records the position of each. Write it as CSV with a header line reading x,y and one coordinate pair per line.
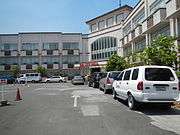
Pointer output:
x,y
140,25
56,51
105,35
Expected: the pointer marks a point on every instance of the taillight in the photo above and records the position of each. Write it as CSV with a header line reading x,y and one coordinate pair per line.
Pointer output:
x,y
140,85
108,81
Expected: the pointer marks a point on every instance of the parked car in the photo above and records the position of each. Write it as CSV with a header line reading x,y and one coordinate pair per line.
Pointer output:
x,y
55,79
147,84
77,80
8,78
107,80
95,78
29,77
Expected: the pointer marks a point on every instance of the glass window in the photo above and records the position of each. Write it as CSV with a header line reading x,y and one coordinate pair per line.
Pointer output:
x,y
8,46
119,18
127,75
120,76
50,46
158,74
93,27
101,25
135,74
114,74
109,22
71,45
30,46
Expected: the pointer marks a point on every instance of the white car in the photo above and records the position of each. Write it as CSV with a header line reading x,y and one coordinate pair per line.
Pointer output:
x,y
55,79
147,84
29,77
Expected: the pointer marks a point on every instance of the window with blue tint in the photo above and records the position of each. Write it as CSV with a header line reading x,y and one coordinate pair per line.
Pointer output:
x,y
50,46
71,45
30,46
29,60
9,61
9,46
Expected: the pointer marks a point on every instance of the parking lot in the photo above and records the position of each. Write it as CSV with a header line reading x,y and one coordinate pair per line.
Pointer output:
x,y
66,109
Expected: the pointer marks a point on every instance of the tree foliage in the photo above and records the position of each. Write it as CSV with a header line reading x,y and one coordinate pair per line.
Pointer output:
x,y
161,52
116,63
15,71
41,70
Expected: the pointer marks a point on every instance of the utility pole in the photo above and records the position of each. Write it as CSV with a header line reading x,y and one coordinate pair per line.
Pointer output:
x,y
119,3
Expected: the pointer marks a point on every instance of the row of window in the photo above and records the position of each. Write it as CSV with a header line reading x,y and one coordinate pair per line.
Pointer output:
x,y
104,43
108,22
71,59
103,55
35,46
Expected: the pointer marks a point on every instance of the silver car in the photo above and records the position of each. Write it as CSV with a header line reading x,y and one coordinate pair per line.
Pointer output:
x,y
107,80
77,80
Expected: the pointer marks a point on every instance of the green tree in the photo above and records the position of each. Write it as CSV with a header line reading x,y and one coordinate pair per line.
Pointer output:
x,y
161,52
116,62
41,70
15,71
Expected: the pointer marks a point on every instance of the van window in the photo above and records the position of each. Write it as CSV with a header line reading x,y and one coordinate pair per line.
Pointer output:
x,y
31,74
119,78
127,75
158,74
135,74
27,75
114,75
36,74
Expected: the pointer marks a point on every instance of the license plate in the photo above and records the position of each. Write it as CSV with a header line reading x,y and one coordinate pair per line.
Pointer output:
x,y
160,88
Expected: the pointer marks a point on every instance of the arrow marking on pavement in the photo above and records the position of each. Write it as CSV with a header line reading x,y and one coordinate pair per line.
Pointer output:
x,y
75,99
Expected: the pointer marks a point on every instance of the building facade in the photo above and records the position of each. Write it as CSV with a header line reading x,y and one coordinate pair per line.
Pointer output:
x,y
135,32
104,37
56,51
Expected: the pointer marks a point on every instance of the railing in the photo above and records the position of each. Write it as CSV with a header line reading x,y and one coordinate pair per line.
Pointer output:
x,y
150,22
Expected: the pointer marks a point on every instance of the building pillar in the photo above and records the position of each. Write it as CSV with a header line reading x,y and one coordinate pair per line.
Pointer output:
x,y
172,27
147,40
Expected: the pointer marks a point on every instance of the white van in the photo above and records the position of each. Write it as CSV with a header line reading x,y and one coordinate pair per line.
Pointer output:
x,y
29,77
147,84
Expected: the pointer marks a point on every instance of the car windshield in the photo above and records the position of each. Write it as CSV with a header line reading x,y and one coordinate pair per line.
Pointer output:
x,y
114,74
158,74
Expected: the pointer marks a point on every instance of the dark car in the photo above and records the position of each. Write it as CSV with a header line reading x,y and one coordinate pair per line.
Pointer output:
x,y
10,79
94,79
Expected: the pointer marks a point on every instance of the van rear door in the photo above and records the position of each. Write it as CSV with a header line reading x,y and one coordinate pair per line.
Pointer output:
x,y
160,84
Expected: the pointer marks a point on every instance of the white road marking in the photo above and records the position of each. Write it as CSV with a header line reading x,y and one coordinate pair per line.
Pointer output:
x,y
75,99
90,110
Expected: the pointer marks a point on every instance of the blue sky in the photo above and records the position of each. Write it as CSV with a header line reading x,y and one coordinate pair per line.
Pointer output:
x,y
52,15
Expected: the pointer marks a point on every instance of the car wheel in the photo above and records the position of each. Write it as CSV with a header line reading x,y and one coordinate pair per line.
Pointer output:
x,y
105,91
114,94
131,102
94,85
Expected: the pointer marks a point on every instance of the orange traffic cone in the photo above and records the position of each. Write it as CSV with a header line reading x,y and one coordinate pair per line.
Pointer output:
x,y
18,96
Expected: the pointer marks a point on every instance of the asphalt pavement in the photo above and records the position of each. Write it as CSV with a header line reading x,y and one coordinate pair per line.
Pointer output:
x,y
66,109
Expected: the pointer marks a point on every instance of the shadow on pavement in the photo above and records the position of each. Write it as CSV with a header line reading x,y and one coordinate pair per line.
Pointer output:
x,y
153,109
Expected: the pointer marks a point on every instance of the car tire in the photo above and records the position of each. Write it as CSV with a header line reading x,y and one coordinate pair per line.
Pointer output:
x,y
94,85
114,94
132,104
105,91
89,84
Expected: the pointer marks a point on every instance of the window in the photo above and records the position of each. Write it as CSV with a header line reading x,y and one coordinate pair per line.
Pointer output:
x,y
127,75
101,25
93,27
119,77
158,74
9,47
50,46
30,46
72,45
135,74
7,53
119,18
109,22
28,52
